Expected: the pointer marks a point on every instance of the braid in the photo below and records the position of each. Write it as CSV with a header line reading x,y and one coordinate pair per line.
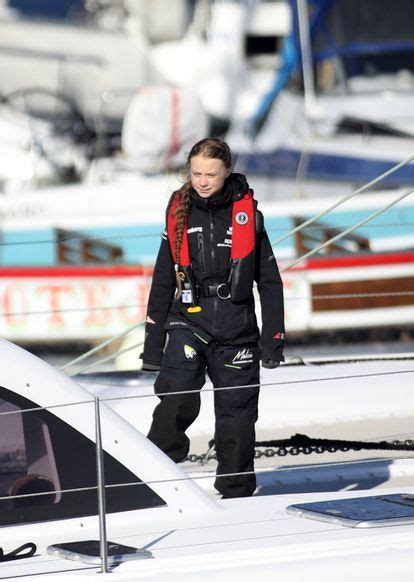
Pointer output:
x,y
181,212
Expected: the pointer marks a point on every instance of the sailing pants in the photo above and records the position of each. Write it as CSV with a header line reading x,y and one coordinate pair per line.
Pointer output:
x,y
186,359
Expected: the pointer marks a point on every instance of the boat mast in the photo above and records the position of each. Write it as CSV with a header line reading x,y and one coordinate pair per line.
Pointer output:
x,y
306,53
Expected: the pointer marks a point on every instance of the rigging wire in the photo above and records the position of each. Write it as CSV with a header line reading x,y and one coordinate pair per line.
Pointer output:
x,y
108,358
349,230
293,468
142,306
289,266
101,345
108,237
344,199
205,390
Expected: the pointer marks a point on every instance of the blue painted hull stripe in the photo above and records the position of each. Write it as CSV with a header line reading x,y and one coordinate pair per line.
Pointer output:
x,y
284,163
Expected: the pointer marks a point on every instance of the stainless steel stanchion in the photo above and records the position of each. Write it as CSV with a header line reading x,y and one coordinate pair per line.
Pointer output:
x,y
101,490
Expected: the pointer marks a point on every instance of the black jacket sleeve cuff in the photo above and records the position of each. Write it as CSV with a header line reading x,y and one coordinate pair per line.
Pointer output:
x,y
275,352
154,344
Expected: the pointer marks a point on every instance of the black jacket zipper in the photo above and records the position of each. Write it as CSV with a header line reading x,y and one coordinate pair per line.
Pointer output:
x,y
200,244
213,254
213,263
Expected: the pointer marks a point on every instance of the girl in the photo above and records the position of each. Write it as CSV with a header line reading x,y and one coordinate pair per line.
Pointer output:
x,y
212,251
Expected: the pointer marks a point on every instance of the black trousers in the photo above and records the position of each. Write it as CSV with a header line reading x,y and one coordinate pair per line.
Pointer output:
x,y
186,359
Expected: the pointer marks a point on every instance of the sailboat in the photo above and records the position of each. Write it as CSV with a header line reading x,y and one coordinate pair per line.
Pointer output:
x,y
85,493
339,109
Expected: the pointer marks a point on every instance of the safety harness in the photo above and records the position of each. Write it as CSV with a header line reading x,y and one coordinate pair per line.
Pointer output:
x,y
241,271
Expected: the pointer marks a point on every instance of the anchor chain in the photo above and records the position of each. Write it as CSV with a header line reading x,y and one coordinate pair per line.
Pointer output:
x,y
302,444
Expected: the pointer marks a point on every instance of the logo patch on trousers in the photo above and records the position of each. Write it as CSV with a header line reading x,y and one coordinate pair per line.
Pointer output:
x,y
244,356
189,352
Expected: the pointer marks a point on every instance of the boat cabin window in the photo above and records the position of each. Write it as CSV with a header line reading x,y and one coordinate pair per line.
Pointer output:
x,y
42,456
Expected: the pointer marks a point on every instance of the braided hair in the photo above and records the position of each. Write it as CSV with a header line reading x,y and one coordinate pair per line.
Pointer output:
x,y
209,147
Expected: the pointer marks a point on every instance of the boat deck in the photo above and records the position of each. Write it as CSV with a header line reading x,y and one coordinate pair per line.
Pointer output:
x,y
241,536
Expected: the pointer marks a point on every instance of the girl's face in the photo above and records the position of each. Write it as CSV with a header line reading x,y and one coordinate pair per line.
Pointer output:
x,y
207,175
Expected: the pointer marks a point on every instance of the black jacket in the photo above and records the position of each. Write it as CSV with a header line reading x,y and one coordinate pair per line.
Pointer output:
x,y
226,322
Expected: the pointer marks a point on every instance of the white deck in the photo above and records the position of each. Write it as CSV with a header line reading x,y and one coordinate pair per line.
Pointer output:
x,y
369,400
202,538
247,537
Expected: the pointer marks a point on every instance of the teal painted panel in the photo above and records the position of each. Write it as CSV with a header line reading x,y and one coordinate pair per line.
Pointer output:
x,y
140,243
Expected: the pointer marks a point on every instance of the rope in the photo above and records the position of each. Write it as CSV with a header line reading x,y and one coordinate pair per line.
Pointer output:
x,y
349,230
19,553
342,200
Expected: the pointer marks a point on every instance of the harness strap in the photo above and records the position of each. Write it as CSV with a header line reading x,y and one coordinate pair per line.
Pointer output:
x,y
243,229
220,290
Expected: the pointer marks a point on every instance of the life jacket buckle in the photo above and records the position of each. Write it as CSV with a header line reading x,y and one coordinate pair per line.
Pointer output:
x,y
223,291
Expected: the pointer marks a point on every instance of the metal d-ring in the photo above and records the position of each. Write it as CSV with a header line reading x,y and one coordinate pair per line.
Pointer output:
x,y
224,285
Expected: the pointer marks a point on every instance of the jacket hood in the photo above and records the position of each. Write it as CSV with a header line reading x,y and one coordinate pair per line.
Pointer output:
x,y
234,188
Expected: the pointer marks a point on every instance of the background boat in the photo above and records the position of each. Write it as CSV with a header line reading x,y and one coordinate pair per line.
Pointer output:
x,y
337,113
69,249
87,278
339,109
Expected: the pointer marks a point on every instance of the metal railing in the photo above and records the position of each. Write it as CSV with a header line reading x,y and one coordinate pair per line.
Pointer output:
x,y
350,229
338,236
101,487
116,236
343,200
102,345
143,306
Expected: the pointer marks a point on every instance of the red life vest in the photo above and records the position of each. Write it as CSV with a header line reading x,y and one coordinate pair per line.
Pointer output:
x,y
241,272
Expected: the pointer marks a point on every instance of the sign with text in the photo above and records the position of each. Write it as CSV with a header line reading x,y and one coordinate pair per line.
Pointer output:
x,y
64,304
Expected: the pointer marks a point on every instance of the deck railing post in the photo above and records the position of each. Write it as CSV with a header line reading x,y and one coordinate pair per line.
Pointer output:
x,y
101,490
